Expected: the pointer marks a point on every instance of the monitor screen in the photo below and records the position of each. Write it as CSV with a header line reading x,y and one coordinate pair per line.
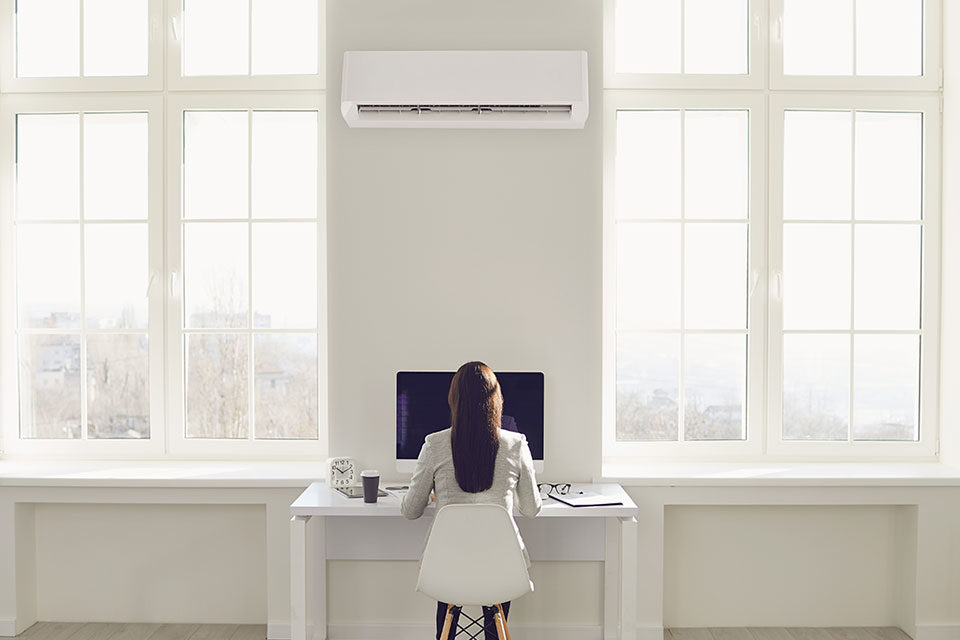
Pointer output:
x,y
422,408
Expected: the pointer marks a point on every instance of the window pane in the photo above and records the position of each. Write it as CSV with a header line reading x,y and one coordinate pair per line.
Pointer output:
x,y
648,276
890,37
50,386
714,387
48,153
816,276
115,37
118,386
887,277
886,387
284,164
217,400
816,387
818,37
715,36
115,166
648,164
215,165
715,291
648,381
48,38
115,257
284,36
48,275
648,36
285,275
285,386
215,274
716,165
216,37
817,165
889,166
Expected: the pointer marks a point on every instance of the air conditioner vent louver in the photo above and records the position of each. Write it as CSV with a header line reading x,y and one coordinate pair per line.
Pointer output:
x,y
466,108
465,89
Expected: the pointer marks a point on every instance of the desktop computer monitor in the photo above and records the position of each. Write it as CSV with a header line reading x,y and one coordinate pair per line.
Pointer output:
x,y
422,409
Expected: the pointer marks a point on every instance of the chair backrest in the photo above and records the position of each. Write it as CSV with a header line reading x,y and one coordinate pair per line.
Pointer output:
x,y
473,557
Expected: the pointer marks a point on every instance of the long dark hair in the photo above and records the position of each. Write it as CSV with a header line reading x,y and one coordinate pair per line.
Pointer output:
x,y
476,406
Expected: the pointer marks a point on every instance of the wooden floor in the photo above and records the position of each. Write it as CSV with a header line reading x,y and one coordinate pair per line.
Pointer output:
x,y
103,631
795,633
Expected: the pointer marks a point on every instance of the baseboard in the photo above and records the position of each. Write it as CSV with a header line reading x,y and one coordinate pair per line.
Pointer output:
x,y
937,632
649,633
278,630
8,627
420,631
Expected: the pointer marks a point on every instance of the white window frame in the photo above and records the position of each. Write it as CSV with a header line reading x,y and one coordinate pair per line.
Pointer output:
x,y
12,444
926,448
176,81
752,446
931,80
11,83
755,78
208,448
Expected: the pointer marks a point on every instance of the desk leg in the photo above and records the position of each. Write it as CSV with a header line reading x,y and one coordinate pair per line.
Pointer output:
x,y
628,578
298,577
317,578
611,579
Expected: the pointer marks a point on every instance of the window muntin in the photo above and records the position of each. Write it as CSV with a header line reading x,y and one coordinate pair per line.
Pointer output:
x,y
74,38
250,261
83,315
682,275
852,265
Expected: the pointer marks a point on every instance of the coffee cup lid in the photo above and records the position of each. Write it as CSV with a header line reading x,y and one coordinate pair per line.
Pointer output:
x,y
369,473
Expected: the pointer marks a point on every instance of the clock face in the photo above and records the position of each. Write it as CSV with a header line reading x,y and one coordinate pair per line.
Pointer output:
x,y
342,472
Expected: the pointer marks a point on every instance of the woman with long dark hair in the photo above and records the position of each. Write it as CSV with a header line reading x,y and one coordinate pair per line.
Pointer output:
x,y
474,462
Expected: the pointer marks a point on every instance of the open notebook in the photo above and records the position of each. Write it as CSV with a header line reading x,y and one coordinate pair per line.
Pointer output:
x,y
586,499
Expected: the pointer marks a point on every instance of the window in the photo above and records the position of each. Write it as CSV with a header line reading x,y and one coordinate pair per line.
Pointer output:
x,y
673,43
247,245
245,44
855,44
83,314
82,45
784,312
142,322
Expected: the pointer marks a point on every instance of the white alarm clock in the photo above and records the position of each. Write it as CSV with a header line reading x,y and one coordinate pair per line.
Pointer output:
x,y
342,471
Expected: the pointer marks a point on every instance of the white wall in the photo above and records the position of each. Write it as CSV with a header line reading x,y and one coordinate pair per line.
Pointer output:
x,y
456,245
151,563
828,566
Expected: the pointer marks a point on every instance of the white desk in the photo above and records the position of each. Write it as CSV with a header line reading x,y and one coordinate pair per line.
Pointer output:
x,y
342,530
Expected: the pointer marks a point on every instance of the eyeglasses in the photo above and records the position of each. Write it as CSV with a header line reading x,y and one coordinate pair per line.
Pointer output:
x,y
562,488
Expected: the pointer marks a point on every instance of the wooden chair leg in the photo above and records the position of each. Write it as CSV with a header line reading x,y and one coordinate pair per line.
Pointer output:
x,y
503,619
446,623
498,621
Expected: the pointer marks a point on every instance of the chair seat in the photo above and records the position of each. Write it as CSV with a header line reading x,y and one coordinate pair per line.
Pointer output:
x,y
473,557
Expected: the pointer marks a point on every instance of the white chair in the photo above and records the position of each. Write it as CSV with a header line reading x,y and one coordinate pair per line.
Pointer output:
x,y
473,557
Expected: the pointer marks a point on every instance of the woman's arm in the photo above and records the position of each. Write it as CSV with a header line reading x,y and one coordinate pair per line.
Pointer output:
x,y
528,497
417,497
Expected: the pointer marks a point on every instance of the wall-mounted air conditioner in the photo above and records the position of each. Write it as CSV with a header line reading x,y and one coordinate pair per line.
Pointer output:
x,y
465,89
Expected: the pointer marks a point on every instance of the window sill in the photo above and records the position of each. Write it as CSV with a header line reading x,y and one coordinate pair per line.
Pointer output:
x,y
179,474
773,474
